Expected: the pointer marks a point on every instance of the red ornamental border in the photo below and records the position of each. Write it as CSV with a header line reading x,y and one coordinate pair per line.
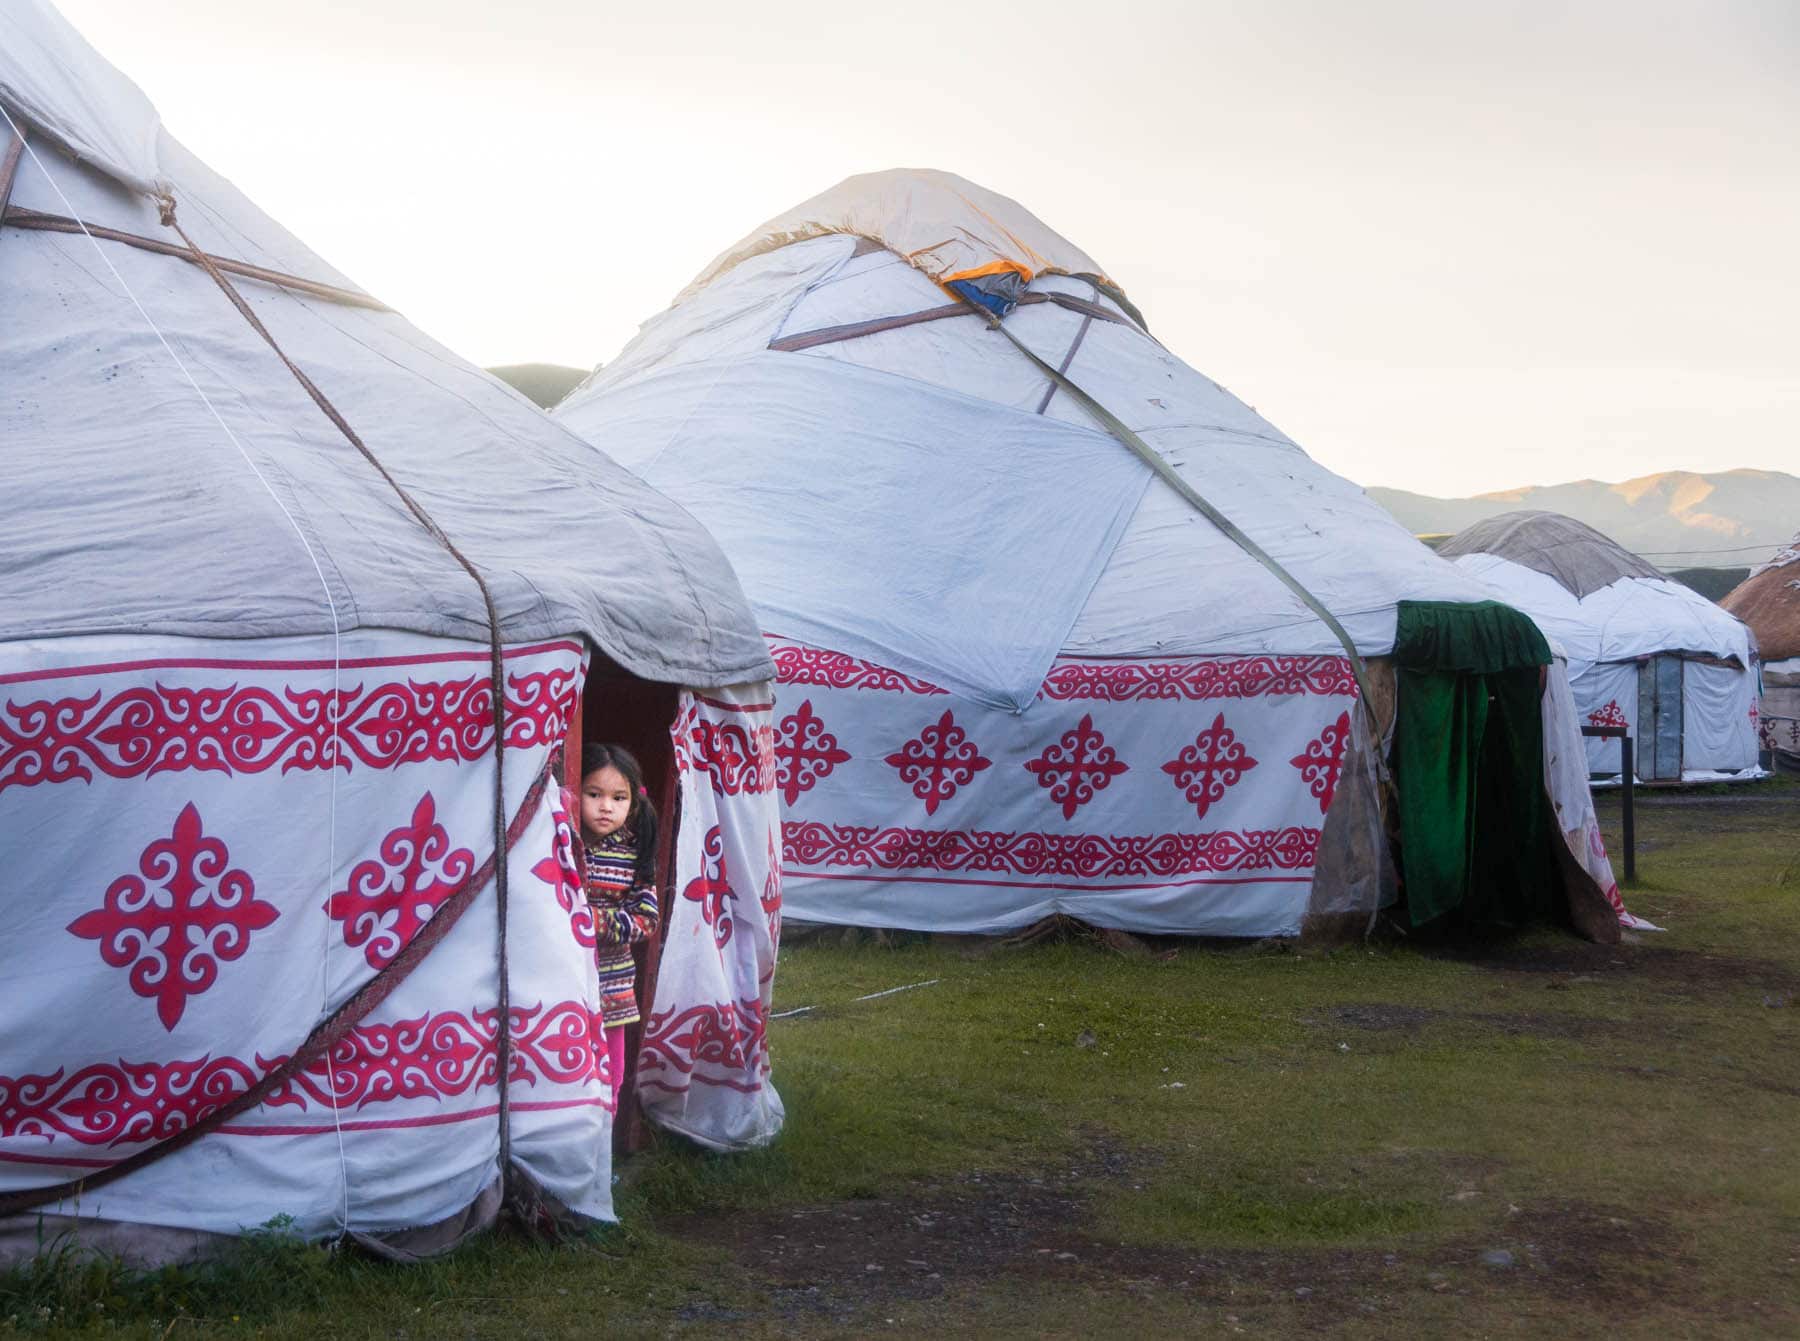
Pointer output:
x,y
1200,679
693,1045
1110,856
796,664
432,1057
1194,679
245,729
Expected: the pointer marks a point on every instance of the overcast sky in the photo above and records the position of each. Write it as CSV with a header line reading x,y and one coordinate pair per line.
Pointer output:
x,y
1449,246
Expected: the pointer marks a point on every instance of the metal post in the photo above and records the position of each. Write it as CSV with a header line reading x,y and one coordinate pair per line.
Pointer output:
x,y
1630,819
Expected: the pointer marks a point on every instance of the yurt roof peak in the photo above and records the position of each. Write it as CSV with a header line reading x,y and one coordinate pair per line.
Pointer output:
x,y
947,227
1577,556
1769,602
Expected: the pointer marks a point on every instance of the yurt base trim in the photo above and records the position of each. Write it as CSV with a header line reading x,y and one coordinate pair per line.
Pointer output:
x,y
137,1245
1051,891
416,1243
144,1246
531,1206
1691,778
1264,906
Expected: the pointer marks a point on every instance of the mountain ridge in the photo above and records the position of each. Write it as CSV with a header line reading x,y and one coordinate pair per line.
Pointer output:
x,y
1674,518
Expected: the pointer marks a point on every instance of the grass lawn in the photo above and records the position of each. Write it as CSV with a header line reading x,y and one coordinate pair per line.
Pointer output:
x,y
1536,1138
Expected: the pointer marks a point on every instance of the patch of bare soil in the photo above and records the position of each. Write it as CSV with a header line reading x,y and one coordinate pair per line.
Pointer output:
x,y
1386,1017
840,1261
1668,967
1733,803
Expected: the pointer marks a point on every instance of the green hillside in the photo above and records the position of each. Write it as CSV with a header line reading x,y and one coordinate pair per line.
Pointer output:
x,y
544,383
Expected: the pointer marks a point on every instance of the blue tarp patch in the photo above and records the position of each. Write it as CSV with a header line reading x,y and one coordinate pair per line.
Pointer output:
x,y
999,294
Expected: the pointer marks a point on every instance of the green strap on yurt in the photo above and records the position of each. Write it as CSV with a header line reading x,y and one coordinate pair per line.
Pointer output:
x,y
1170,476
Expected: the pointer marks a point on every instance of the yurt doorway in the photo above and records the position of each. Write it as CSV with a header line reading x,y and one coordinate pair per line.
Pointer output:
x,y
620,708
1659,725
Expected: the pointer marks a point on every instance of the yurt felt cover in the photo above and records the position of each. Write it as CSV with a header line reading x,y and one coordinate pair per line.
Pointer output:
x,y
1769,602
246,737
1582,559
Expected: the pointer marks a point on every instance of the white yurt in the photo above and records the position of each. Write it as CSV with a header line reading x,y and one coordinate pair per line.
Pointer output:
x,y
1768,600
300,607
1060,625
1645,652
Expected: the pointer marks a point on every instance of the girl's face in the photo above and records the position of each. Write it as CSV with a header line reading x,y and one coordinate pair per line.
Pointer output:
x,y
605,801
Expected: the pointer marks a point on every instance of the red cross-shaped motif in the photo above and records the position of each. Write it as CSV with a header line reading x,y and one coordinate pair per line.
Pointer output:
x,y
1216,760
1323,759
805,752
1076,767
392,895
937,761
173,932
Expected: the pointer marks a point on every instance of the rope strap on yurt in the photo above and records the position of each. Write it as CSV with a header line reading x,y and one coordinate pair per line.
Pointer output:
x,y
496,657
329,1033
1172,477
855,330
17,216
9,166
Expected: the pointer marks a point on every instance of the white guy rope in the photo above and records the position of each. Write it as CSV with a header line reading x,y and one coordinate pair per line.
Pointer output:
x,y
911,986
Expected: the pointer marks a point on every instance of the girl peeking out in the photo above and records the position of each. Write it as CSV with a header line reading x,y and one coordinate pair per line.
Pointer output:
x,y
618,831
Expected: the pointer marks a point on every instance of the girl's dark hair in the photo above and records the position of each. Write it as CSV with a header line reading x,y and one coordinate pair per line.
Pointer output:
x,y
641,819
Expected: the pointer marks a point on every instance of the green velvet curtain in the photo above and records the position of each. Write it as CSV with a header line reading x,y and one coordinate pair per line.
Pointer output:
x,y
1475,828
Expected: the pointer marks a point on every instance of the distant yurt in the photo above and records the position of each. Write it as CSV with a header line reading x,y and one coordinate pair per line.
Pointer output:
x,y
1769,602
1645,652
299,610
1060,625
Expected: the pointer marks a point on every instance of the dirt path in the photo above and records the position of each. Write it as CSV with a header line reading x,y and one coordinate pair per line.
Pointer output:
x,y
853,1263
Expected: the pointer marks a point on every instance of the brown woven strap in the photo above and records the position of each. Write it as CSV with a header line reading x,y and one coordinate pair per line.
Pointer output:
x,y
855,330
1086,306
1068,358
17,216
9,167
496,659
329,1033
831,335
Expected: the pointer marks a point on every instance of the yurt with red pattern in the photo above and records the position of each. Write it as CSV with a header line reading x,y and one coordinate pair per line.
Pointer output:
x,y
301,609
1021,672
